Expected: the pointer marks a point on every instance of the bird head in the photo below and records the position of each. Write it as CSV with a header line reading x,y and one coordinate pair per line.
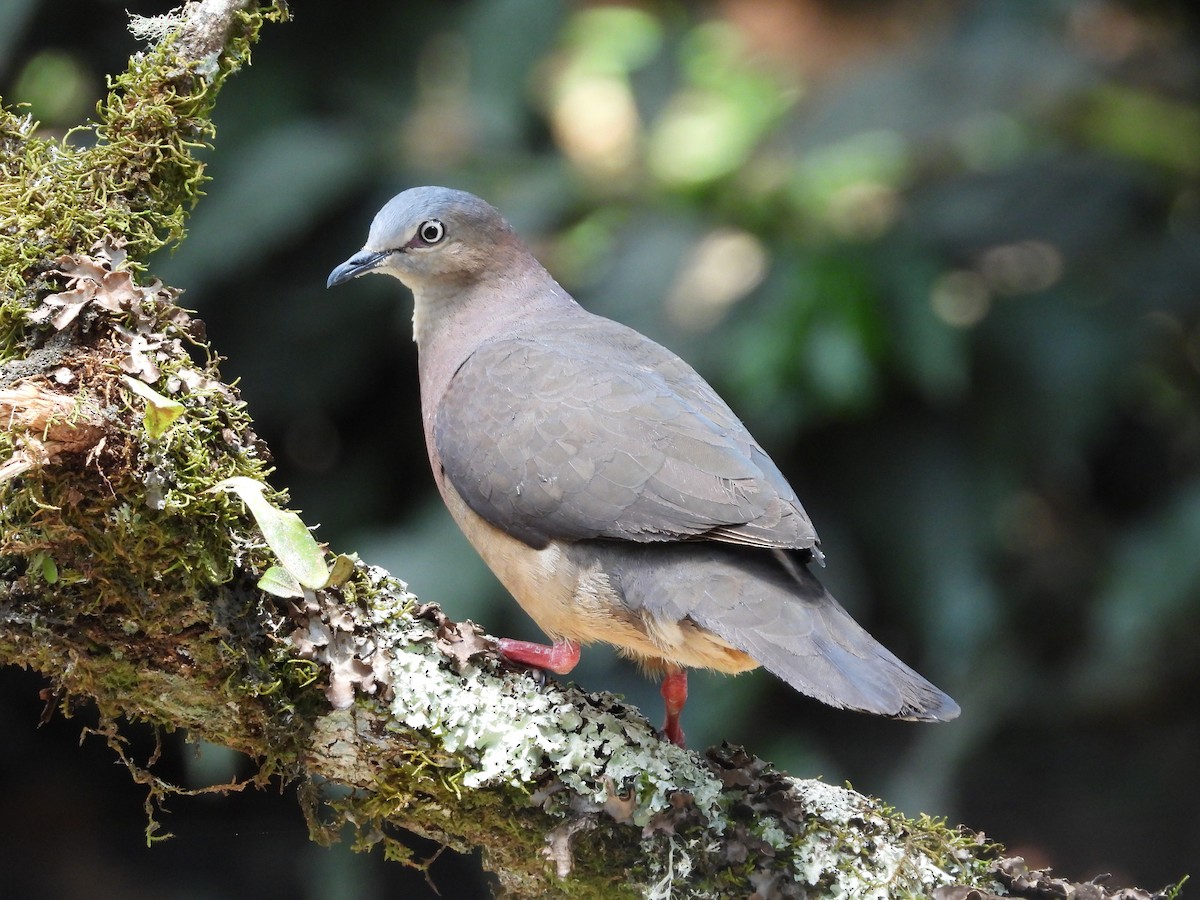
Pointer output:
x,y
433,239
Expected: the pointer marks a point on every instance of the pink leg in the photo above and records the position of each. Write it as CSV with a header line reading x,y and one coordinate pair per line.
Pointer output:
x,y
560,658
674,692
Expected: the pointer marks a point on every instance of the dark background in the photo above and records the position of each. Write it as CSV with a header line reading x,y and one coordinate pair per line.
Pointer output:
x,y
943,257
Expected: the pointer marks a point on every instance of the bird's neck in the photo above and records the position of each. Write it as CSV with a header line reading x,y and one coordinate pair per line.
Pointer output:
x,y
476,309
448,325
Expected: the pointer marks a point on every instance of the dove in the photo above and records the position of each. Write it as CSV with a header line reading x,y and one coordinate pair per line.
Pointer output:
x,y
614,494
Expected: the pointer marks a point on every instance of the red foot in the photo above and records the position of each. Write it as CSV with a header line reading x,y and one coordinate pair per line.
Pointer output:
x,y
560,658
674,692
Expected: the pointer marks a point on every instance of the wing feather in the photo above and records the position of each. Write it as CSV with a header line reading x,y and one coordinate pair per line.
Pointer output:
x,y
592,430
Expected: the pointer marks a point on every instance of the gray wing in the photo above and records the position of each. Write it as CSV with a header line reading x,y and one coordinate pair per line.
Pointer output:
x,y
591,430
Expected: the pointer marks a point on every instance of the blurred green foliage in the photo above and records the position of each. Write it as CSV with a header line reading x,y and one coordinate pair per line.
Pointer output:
x,y
943,257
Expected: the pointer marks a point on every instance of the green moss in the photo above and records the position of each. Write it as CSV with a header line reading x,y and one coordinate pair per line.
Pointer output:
x,y
136,176
128,547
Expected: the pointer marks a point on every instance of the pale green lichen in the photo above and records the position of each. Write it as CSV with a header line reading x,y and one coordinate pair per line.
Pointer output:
x,y
795,838
514,732
852,848
518,732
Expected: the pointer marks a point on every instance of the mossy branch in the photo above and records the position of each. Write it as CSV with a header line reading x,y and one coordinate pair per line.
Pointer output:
x,y
132,584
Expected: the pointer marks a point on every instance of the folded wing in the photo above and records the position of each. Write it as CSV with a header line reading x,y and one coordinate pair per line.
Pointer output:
x,y
592,430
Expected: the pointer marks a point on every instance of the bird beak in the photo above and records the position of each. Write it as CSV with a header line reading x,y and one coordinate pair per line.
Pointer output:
x,y
360,263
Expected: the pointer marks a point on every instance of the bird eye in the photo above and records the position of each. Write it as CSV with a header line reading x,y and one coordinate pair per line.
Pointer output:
x,y
431,232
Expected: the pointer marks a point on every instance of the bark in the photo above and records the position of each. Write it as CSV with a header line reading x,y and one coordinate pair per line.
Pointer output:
x,y
146,568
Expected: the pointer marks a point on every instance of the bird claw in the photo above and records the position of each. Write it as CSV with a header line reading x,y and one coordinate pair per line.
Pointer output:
x,y
674,693
559,657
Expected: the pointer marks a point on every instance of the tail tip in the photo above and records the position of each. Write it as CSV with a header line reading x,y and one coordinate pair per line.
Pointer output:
x,y
937,706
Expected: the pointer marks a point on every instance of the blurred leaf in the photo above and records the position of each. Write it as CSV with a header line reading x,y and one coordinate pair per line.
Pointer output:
x,y
57,86
728,104
837,366
1142,125
996,60
870,157
613,39
817,339
342,569
1054,365
1084,205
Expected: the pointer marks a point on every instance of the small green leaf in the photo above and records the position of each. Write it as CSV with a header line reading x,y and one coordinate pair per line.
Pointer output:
x,y
279,582
285,532
161,412
343,568
49,570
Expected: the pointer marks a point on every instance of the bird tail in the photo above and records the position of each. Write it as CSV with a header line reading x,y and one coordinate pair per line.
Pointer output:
x,y
768,605
808,639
